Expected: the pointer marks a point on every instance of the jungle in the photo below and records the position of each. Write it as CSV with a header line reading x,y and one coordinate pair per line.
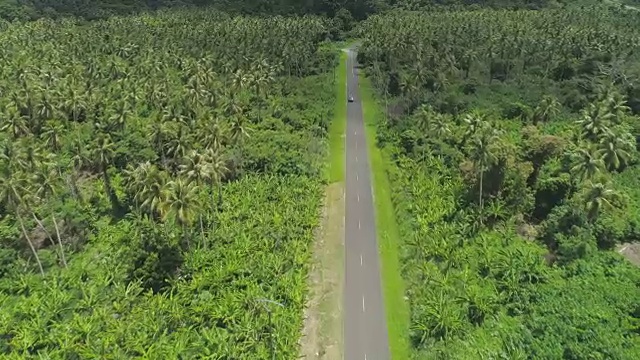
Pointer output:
x,y
164,174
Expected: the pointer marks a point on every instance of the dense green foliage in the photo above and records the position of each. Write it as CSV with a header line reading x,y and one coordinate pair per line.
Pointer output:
x,y
91,9
342,10
514,139
160,176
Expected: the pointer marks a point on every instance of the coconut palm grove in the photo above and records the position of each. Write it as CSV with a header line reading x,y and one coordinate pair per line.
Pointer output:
x,y
163,167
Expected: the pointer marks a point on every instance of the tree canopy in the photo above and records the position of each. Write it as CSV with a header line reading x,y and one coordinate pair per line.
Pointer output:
x,y
512,140
160,175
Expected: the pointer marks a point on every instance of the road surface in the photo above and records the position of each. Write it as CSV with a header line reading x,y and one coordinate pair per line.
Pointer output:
x,y
365,326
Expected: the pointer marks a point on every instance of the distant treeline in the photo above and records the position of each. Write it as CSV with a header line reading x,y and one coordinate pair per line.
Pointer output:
x,y
358,9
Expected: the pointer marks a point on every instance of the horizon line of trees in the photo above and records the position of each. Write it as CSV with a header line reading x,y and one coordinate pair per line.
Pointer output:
x,y
25,10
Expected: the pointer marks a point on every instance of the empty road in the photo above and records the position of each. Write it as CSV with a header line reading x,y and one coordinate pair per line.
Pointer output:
x,y
365,326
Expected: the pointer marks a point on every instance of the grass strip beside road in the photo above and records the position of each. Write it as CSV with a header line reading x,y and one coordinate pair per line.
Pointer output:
x,y
323,331
337,129
389,241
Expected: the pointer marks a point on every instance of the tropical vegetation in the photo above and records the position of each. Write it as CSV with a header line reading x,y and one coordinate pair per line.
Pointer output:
x,y
512,144
163,167
161,182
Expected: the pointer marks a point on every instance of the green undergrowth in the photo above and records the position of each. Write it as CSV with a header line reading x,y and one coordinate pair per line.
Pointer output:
x,y
338,125
260,252
169,212
508,199
389,241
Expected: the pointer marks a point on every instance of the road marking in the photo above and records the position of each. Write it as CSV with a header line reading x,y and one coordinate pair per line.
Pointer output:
x,y
362,303
360,259
355,132
358,224
365,356
358,197
356,176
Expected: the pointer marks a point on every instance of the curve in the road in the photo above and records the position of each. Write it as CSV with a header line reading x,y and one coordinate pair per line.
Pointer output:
x,y
365,327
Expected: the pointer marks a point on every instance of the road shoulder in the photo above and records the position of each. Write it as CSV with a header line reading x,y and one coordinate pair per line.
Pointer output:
x,y
389,240
323,321
323,325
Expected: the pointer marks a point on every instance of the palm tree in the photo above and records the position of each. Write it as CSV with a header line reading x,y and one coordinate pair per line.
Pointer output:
x,y
45,179
160,131
75,103
483,156
218,169
120,115
239,80
472,122
547,108
178,145
12,188
154,190
135,177
616,104
425,116
232,107
614,150
598,196
211,134
79,157
466,62
595,121
51,134
32,152
443,316
261,76
586,164
15,124
44,108
102,155
181,204
440,127
239,130
196,169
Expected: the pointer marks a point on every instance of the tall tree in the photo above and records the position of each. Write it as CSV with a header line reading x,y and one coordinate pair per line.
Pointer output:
x,y
615,150
548,108
586,164
483,155
181,205
103,154
45,179
196,169
12,189
598,196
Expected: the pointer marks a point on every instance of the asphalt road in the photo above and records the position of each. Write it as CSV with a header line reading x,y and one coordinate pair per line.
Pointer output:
x,y
365,326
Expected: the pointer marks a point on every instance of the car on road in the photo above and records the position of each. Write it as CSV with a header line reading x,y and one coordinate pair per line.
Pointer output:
x,y
350,99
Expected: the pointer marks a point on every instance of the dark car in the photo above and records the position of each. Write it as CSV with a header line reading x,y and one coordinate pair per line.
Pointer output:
x,y
350,99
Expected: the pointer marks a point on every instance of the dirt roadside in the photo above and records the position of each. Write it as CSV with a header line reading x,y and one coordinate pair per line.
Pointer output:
x,y
322,333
